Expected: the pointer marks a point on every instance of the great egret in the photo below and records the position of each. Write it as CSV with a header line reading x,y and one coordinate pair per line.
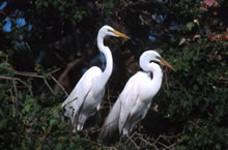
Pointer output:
x,y
135,99
86,97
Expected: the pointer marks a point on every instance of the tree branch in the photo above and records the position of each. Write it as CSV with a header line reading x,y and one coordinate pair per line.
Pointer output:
x,y
33,75
15,99
69,67
53,78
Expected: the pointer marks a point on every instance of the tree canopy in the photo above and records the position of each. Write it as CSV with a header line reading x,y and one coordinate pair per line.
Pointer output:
x,y
46,46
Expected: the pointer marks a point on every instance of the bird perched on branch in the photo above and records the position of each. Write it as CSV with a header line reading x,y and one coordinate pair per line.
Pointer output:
x,y
135,99
86,97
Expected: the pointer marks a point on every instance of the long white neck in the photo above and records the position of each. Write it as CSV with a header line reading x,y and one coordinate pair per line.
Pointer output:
x,y
157,77
108,55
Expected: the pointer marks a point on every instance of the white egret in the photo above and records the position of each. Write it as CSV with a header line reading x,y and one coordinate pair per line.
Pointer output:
x,y
86,97
135,99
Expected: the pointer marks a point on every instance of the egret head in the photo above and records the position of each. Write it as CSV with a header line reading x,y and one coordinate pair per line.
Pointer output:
x,y
109,31
151,56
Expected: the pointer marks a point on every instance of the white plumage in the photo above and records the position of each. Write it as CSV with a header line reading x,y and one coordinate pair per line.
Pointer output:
x,y
86,97
135,99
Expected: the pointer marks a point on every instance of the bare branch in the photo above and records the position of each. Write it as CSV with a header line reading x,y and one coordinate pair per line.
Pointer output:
x,y
46,132
53,78
15,99
26,74
48,85
142,140
30,74
69,67
17,79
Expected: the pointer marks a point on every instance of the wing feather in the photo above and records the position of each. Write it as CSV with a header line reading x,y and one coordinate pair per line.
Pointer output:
x,y
77,97
128,99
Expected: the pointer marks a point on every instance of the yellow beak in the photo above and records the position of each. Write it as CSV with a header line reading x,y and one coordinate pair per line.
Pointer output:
x,y
167,64
121,35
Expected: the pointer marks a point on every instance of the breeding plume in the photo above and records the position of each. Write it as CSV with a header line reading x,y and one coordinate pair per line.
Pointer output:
x,y
86,97
135,99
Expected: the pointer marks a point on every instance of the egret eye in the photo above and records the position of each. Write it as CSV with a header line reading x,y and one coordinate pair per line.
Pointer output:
x,y
158,57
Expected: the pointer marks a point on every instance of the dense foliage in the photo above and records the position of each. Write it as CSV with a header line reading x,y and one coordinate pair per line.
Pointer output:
x,y
47,45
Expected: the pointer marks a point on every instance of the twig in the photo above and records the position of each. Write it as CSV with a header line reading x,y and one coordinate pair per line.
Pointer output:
x,y
129,138
166,79
70,101
69,67
53,71
158,138
32,74
26,74
157,142
100,144
48,85
14,78
195,124
15,99
53,78
132,141
148,143
46,131
151,142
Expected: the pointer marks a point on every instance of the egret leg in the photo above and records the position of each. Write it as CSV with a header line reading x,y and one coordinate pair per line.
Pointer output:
x,y
126,129
81,121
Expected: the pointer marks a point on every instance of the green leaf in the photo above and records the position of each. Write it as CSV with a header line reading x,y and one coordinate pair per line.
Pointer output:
x,y
190,25
45,3
39,68
53,123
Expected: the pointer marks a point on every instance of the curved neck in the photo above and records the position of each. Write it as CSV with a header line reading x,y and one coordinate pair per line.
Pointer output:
x,y
108,55
157,77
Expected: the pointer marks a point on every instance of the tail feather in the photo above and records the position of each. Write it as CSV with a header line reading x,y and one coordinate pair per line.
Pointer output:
x,y
111,122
